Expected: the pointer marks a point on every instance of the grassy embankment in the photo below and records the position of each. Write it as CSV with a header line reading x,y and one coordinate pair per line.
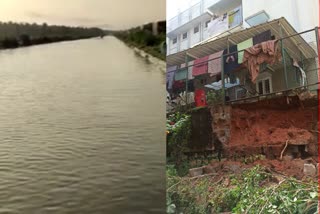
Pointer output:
x,y
144,40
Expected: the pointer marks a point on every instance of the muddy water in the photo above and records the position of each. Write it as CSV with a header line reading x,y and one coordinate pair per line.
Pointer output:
x,y
82,129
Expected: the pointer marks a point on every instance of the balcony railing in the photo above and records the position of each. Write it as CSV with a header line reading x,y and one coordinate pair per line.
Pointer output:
x,y
191,13
186,16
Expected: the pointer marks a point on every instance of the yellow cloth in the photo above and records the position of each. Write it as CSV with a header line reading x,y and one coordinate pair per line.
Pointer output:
x,y
242,46
231,18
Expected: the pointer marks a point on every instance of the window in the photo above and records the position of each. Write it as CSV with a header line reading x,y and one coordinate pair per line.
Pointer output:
x,y
264,85
185,35
196,30
174,41
260,87
240,93
207,23
267,86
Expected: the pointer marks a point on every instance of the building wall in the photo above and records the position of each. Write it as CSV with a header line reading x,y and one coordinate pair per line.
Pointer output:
x,y
302,15
295,12
195,37
184,43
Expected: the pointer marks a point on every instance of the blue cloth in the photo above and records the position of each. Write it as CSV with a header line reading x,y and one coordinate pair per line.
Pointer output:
x,y
170,76
230,62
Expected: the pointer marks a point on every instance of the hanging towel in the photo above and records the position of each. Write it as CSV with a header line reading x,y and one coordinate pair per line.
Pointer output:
x,y
263,52
200,66
181,74
218,25
230,62
214,66
303,74
262,37
178,86
231,18
190,67
170,76
243,45
200,98
234,17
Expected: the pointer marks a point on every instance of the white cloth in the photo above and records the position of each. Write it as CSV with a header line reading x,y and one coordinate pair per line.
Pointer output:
x,y
218,85
218,25
303,74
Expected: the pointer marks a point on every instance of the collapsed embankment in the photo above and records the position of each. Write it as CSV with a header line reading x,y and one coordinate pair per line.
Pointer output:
x,y
269,149
267,126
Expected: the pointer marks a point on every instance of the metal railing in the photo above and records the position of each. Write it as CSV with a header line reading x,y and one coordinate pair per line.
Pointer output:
x,y
284,76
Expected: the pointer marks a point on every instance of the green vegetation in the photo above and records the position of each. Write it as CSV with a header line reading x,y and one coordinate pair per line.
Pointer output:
x,y
214,97
178,134
13,35
144,40
256,190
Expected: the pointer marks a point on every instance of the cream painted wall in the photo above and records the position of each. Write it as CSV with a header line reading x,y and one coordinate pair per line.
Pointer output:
x,y
302,15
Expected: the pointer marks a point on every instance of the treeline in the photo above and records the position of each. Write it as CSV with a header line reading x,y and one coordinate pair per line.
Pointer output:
x,y
141,37
24,34
145,39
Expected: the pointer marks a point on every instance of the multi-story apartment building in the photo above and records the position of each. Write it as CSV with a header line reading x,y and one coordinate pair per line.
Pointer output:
x,y
209,19
213,28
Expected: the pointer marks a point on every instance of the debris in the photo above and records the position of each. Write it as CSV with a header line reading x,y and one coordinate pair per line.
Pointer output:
x,y
196,171
284,149
309,169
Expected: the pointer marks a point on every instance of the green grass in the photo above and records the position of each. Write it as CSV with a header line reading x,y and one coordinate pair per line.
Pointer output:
x,y
253,191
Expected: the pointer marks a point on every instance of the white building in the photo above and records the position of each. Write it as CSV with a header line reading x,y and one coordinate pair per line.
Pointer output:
x,y
209,19
211,26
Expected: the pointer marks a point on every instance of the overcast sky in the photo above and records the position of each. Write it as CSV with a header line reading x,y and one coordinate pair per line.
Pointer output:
x,y
112,14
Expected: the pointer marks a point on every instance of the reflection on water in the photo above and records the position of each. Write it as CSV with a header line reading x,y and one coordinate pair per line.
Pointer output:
x,y
82,129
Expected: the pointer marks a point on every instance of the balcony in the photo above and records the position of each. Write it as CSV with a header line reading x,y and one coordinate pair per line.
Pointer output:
x,y
186,16
200,12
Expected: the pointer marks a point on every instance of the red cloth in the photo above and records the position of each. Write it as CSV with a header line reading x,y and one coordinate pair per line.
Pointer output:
x,y
201,68
200,98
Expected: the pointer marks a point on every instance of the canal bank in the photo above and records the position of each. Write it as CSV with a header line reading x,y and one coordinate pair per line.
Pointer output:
x,y
150,38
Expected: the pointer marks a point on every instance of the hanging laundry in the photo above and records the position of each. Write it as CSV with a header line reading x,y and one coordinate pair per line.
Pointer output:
x,y
218,25
181,74
263,52
214,65
200,98
170,76
303,73
234,17
232,78
262,37
230,62
243,45
200,66
190,67
178,86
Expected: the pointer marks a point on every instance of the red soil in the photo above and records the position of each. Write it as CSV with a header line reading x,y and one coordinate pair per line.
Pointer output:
x,y
292,168
270,126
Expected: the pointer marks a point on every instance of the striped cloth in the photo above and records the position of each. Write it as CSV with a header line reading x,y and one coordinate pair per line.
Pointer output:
x,y
214,66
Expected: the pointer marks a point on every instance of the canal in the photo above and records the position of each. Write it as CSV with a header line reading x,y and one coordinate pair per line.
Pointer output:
x,y
82,129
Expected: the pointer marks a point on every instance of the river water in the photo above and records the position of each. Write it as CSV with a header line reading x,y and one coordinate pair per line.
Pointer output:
x,y
82,129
